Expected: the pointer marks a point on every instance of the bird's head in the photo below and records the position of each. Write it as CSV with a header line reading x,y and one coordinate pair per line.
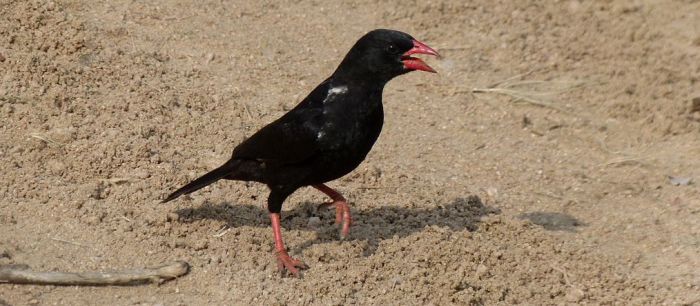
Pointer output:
x,y
385,54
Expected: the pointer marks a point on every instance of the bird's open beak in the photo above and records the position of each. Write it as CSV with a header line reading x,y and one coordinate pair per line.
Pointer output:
x,y
414,63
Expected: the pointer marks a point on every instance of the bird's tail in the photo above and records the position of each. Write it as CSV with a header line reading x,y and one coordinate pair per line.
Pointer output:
x,y
205,180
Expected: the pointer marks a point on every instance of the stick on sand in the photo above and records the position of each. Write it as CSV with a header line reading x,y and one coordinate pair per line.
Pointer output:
x,y
20,274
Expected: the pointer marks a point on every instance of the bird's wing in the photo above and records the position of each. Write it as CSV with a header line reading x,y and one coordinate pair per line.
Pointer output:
x,y
291,139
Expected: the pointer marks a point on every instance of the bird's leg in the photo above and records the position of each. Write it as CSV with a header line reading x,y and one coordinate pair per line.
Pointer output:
x,y
284,261
342,209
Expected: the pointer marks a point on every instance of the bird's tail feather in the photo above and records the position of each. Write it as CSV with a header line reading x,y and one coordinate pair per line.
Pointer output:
x,y
205,180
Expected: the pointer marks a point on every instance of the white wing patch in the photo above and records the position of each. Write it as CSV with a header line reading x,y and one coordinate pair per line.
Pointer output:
x,y
334,91
338,90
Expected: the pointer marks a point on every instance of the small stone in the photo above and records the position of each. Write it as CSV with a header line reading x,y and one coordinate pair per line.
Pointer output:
x,y
491,195
680,181
140,173
395,281
574,295
178,243
97,190
2,58
481,270
172,217
695,105
162,218
201,245
696,41
314,221
77,204
92,220
209,58
16,150
55,166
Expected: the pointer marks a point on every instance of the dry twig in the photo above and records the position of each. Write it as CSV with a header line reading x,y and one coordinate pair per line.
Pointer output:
x,y
69,242
626,156
46,139
116,180
563,273
247,111
221,232
20,274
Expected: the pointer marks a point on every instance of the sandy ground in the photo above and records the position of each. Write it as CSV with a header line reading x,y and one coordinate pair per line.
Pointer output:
x,y
556,195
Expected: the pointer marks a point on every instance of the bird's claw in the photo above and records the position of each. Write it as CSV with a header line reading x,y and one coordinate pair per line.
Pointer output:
x,y
285,263
342,216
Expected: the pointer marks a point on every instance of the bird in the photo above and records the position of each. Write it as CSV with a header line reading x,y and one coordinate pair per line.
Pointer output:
x,y
325,136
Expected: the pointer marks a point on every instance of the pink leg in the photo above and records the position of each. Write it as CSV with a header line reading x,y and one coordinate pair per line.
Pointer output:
x,y
342,209
284,261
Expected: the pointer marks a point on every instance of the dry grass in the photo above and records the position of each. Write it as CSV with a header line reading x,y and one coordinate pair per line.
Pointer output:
x,y
46,139
534,92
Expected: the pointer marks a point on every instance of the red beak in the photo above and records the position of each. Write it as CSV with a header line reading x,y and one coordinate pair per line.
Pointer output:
x,y
414,63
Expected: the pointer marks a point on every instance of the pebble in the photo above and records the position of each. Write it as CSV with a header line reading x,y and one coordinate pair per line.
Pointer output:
x,y
574,295
210,57
695,105
492,195
172,217
314,221
395,281
481,270
140,173
200,245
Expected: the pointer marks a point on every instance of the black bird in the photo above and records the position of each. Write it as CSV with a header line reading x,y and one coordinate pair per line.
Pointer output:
x,y
326,135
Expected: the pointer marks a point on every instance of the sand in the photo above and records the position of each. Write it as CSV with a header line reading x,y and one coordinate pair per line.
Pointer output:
x,y
549,188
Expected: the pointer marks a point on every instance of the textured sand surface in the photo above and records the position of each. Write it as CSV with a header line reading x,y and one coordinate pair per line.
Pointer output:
x,y
559,196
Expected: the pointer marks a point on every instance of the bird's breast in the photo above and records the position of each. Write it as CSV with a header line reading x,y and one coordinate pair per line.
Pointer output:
x,y
353,129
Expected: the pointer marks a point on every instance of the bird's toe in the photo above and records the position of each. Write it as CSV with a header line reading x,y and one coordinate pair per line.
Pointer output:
x,y
287,264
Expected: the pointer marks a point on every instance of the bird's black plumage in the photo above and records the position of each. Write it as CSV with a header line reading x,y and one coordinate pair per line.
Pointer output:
x,y
329,133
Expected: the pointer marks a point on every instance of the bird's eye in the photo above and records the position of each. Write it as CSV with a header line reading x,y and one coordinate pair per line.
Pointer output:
x,y
392,49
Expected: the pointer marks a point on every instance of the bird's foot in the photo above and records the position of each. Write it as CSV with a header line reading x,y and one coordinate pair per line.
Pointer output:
x,y
286,263
342,215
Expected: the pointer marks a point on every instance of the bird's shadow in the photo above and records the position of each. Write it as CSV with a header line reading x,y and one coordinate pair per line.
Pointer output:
x,y
372,225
